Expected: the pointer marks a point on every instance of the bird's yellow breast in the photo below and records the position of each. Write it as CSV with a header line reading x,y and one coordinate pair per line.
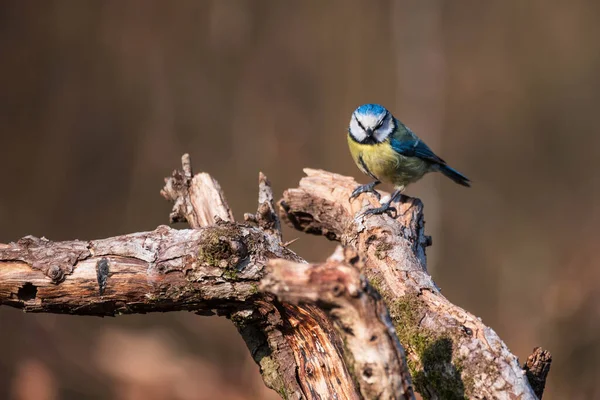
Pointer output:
x,y
385,164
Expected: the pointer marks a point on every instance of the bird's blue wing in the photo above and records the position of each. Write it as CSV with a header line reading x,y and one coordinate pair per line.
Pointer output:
x,y
415,148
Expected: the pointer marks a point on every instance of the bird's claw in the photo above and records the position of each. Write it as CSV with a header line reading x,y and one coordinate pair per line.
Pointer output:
x,y
386,208
369,187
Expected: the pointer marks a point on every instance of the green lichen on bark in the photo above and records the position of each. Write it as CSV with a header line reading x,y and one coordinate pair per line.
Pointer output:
x,y
223,246
214,246
435,368
271,376
258,344
439,374
376,283
230,274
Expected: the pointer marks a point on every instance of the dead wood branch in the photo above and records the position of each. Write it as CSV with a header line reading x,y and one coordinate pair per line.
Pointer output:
x,y
452,354
283,339
161,270
372,348
537,367
207,270
214,268
198,199
290,328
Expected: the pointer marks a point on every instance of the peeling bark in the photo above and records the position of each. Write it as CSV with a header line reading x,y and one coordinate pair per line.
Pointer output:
x,y
372,348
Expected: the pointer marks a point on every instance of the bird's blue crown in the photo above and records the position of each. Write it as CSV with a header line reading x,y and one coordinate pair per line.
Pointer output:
x,y
373,109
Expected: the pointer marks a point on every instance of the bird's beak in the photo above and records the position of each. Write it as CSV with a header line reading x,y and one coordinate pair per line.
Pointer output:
x,y
369,132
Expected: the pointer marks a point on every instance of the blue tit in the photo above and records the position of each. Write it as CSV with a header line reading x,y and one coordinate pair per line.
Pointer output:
x,y
388,151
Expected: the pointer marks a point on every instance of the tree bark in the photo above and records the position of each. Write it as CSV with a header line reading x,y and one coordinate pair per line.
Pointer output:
x,y
372,349
316,331
537,368
214,268
451,353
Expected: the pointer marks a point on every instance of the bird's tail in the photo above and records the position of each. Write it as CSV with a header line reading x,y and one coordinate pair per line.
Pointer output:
x,y
455,175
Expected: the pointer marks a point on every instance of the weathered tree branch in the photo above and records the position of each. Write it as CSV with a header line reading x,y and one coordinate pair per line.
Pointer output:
x,y
452,354
290,326
287,357
372,348
161,270
215,267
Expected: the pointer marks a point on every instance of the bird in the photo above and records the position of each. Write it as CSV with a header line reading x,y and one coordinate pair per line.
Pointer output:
x,y
388,151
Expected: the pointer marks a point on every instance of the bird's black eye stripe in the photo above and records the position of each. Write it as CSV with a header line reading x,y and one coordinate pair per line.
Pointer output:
x,y
359,124
380,123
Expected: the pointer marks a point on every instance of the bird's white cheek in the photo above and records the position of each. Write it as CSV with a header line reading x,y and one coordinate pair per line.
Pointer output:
x,y
356,131
384,131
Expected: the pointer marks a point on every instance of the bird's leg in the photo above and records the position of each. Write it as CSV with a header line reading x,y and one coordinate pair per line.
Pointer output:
x,y
369,187
387,207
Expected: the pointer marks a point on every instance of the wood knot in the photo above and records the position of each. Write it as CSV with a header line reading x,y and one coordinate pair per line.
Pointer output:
x,y
55,273
222,247
309,369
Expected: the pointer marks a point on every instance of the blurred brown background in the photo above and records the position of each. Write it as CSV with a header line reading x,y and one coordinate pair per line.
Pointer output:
x,y
99,99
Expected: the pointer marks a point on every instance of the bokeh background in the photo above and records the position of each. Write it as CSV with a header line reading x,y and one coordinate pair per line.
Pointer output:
x,y
99,99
